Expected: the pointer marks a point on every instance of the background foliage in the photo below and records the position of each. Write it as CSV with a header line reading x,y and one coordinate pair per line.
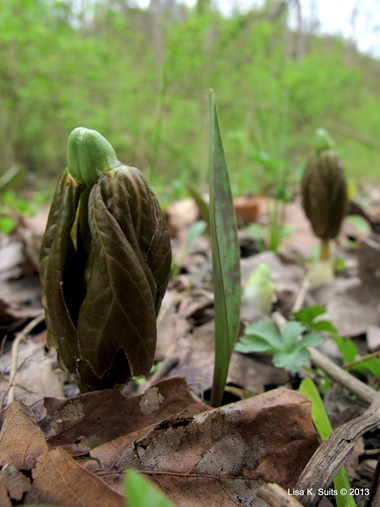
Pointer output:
x,y
141,77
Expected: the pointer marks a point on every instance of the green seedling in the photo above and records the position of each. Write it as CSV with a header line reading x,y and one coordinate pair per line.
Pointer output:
x,y
324,428
260,289
225,258
289,344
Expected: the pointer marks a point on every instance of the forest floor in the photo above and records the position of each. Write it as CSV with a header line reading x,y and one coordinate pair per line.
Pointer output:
x,y
62,448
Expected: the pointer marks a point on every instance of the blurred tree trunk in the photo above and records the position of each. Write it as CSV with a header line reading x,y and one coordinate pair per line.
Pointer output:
x,y
300,48
156,33
203,6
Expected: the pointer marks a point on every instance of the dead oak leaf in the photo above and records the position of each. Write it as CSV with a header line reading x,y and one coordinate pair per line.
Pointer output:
x,y
230,451
58,479
106,415
21,440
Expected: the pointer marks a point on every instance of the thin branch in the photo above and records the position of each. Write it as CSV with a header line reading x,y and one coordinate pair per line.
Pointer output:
x,y
345,379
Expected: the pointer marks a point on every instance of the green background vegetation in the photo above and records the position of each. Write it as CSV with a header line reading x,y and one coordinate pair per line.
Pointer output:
x,y
141,77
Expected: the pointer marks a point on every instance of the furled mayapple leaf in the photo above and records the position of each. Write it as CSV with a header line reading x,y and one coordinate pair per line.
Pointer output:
x,y
105,266
324,192
89,155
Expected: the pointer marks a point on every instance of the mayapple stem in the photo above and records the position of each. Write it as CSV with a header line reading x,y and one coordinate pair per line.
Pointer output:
x,y
324,255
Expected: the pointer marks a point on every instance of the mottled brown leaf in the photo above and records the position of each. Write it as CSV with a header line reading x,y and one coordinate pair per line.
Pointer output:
x,y
4,499
228,452
15,482
106,415
21,440
58,479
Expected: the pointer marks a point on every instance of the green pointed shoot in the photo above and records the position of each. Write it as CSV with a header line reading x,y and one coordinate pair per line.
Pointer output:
x,y
89,156
323,140
225,258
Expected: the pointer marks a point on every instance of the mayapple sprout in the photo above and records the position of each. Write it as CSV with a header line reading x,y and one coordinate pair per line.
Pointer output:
x,y
105,264
260,288
324,191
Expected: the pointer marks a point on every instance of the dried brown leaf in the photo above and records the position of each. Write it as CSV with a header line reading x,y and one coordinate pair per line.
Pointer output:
x,y
58,479
15,482
106,415
228,452
4,498
21,440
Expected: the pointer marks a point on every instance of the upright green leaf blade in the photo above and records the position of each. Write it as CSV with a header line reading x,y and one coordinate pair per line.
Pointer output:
x,y
322,423
225,257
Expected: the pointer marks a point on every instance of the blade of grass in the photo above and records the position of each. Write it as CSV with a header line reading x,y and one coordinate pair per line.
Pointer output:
x,y
324,428
225,258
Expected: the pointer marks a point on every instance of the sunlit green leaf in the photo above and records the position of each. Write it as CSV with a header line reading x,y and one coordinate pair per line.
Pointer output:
x,y
308,314
290,331
140,492
318,412
252,343
291,361
7,224
267,330
309,340
347,348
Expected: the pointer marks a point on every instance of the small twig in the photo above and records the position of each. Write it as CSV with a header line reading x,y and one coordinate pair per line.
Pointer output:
x,y
302,293
345,379
21,337
362,359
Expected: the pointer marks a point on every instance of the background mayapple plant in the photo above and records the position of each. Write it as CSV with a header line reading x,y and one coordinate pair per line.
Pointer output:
x,y
324,191
105,264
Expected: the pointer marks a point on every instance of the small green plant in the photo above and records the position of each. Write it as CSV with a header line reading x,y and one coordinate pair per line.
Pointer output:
x,y
260,288
288,344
